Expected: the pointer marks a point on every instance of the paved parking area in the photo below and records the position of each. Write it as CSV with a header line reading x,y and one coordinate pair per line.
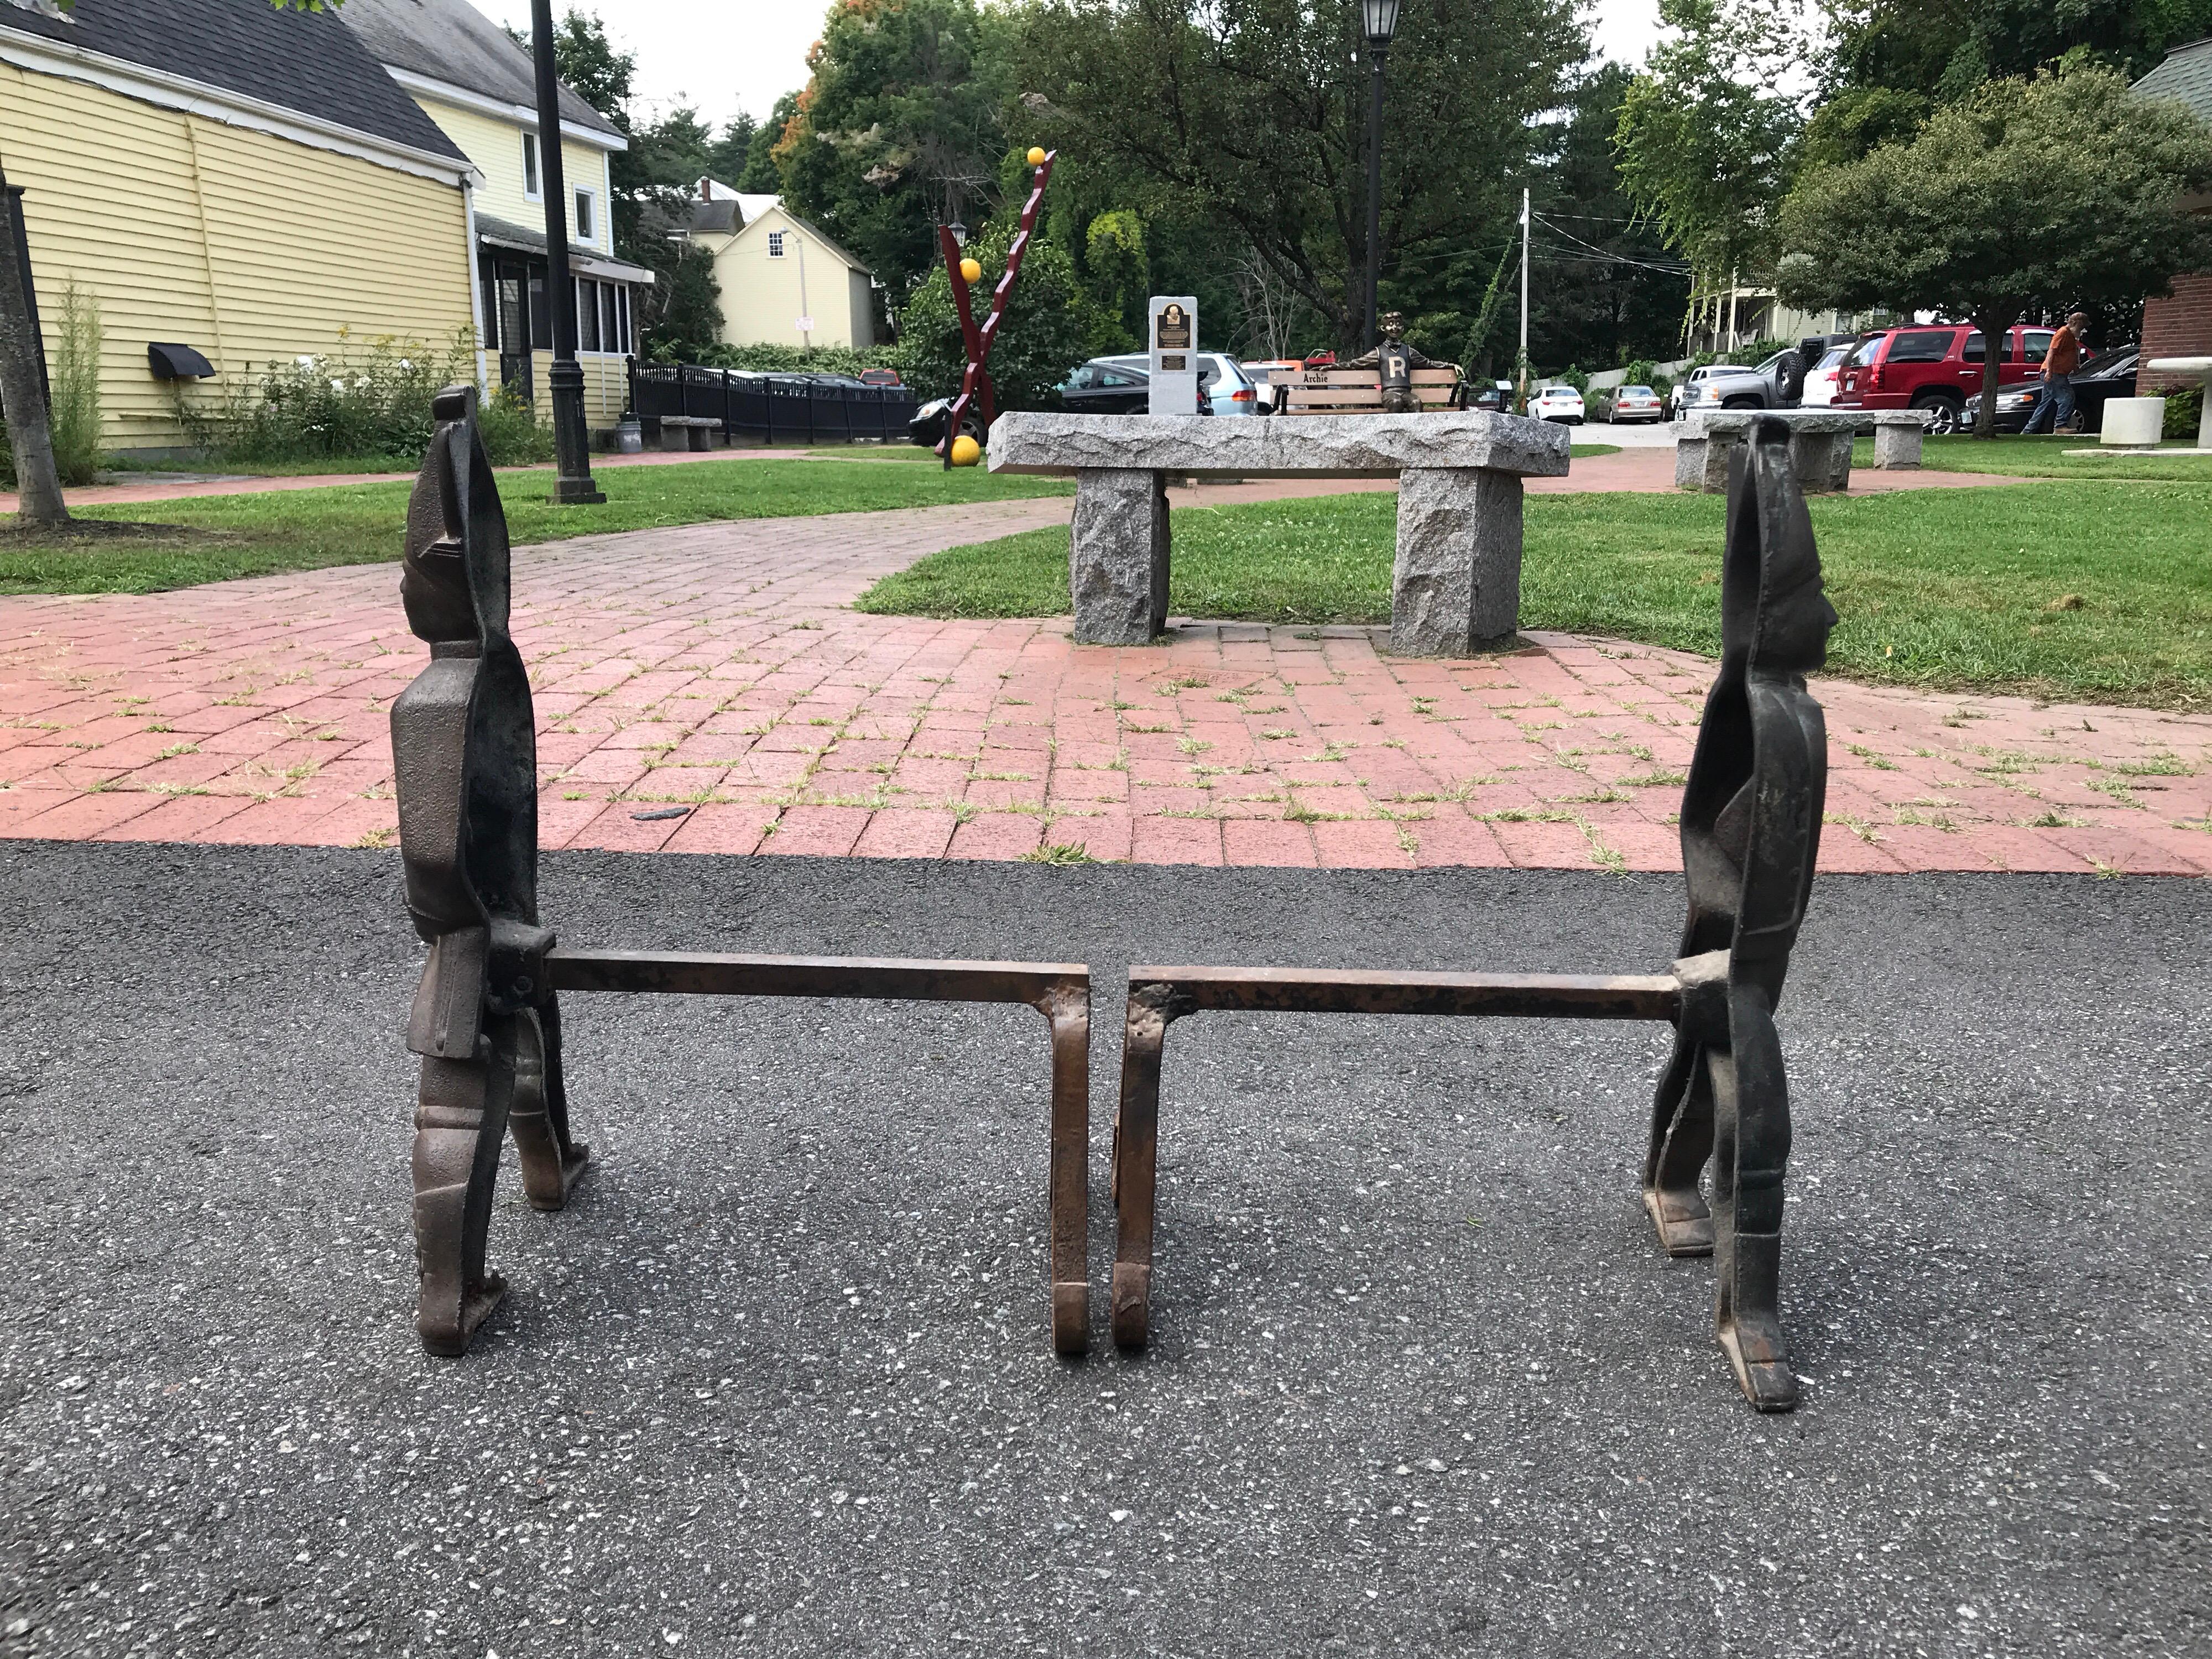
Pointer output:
x,y
719,667
778,1383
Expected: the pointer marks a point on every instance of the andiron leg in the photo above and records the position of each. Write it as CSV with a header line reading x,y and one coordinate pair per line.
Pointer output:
x,y
538,1118
1136,1156
1681,1141
1067,1008
1751,1156
460,1123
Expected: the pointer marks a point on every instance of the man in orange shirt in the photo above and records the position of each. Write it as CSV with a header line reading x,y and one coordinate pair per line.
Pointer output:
x,y
2056,397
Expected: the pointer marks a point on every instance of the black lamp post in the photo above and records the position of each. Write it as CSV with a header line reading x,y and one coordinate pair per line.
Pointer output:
x,y
1381,19
572,455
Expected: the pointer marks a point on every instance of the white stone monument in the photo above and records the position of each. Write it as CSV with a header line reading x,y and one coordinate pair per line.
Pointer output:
x,y
1175,355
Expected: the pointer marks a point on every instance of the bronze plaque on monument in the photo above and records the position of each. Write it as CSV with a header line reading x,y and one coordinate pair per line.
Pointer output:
x,y
1175,330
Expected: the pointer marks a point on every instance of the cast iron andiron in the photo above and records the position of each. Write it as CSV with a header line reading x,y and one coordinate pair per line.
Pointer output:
x,y
1751,832
485,1020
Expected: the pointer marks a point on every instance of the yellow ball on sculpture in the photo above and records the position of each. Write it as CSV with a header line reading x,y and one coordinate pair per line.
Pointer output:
x,y
1036,156
966,451
970,271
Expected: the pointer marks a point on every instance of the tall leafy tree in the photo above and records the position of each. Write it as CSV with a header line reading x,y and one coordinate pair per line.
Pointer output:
x,y
759,175
2064,190
1602,289
1252,118
900,128
1890,62
1705,134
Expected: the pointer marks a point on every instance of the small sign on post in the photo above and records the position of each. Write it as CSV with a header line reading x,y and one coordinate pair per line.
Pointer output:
x,y
1174,354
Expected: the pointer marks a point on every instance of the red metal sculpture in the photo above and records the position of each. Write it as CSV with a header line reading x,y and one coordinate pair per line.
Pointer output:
x,y
975,384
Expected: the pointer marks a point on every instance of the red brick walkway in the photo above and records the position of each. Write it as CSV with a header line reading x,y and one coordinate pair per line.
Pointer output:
x,y
716,667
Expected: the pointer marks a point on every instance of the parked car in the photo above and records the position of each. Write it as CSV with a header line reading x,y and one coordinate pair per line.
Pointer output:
x,y
1101,387
928,426
1224,388
1556,403
1497,397
1935,367
2110,374
880,377
1631,404
1821,380
1732,385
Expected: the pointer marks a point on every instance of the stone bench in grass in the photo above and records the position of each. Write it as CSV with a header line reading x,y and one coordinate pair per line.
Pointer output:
x,y
1455,587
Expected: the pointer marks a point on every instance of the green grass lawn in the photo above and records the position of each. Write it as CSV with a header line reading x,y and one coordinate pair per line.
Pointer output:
x,y
220,537
2044,457
1954,589
152,471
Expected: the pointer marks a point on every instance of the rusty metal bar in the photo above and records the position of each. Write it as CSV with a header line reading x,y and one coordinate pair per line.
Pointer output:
x,y
1061,991
1159,996
716,974
1360,991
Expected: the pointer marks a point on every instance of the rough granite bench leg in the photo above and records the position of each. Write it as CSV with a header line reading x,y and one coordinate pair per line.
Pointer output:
x,y
1897,442
1455,587
1117,556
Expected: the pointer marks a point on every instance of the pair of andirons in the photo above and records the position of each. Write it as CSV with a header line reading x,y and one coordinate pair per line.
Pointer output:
x,y
486,1019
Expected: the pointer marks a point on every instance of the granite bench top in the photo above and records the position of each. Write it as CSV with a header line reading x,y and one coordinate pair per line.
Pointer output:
x,y
1278,445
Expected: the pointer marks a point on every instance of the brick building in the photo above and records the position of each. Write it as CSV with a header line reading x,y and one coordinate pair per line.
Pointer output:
x,y
2181,326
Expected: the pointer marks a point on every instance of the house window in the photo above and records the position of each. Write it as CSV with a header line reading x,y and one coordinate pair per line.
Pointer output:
x,y
587,315
587,216
610,323
530,187
776,245
622,313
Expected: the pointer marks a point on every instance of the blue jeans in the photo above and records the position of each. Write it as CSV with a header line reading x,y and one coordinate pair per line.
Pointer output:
x,y
2054,398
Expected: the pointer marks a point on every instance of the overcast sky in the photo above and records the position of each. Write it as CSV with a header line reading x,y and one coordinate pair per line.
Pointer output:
x,y
723,56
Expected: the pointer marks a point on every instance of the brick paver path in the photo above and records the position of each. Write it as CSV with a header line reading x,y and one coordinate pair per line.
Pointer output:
x,y
716,667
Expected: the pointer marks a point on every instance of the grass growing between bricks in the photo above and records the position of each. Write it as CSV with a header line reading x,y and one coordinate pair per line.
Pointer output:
x,y
220,537
2097,591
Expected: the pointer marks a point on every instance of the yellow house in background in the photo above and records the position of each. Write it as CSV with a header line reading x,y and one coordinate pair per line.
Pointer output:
x,y
222,176
479,87
782,282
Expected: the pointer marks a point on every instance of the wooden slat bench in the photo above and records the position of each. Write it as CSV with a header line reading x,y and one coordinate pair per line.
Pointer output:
x,y
1353,390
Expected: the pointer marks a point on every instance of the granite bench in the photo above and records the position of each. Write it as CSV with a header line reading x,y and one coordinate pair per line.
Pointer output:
x,y
1897,435
1819,447
1455,587
688,432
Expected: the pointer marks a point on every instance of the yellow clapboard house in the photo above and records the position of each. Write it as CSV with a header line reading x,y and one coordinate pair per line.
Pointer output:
x,y
478,86
240,185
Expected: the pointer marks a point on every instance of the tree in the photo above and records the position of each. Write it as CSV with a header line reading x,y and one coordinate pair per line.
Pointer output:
x,y
1889,63
1604,290
23,394
900,129
1050,325
1704,139
2065,190
760,176
1251,119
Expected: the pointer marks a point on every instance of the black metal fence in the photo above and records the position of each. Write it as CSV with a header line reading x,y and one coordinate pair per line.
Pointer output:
x,y
791,409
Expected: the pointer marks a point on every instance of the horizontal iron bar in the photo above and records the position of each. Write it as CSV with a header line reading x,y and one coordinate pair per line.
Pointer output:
x,y
698,973
1360,991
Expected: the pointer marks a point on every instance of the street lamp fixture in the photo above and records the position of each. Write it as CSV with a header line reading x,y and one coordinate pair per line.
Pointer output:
x,y
572,476
959,233
1380,18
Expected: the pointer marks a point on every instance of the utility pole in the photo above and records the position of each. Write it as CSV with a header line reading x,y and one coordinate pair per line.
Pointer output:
x,y
1523,370
572,480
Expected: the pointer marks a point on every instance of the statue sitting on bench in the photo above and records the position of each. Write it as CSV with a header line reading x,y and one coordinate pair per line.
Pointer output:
x,y
1395,362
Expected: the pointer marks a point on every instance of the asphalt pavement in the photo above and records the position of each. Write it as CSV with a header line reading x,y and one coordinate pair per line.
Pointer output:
x,y
778,1381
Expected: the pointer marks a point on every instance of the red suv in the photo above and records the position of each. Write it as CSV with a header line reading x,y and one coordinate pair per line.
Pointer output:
x,y
1935,366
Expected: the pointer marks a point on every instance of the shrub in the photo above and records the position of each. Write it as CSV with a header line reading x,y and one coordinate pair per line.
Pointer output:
x,y
74,376
784,358
1050,326
2184,409
368,401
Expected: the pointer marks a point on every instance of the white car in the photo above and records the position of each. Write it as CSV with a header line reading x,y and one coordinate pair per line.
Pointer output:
x,y
1556,403
1821,378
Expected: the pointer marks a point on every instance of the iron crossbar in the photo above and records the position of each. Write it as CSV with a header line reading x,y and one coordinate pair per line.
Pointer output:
x,y
1061,991
1158,996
